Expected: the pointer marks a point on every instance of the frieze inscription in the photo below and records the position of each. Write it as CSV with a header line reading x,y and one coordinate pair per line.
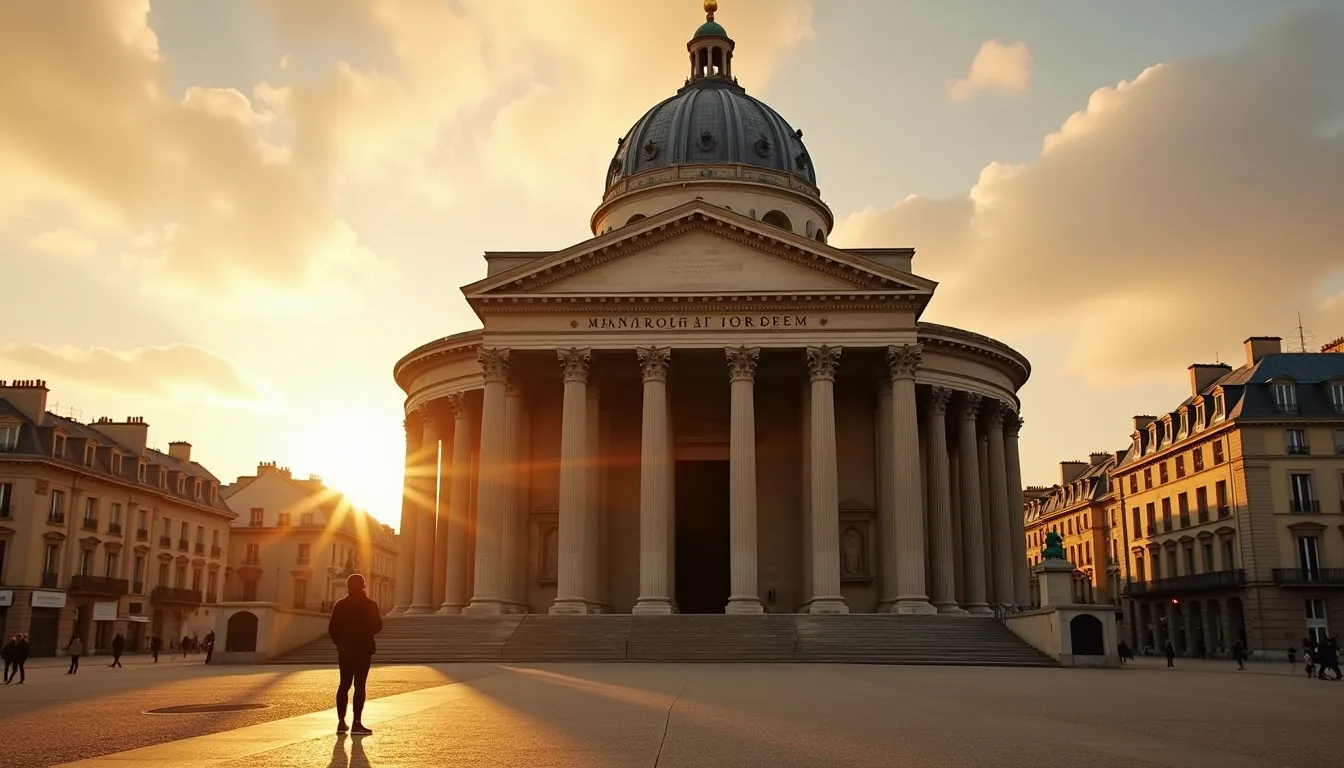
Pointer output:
x,y
704,322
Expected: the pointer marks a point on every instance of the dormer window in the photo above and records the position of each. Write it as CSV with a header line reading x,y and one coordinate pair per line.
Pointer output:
x,y
1337,396
89,452
181,485
214,493
1152,438
1219,405
1166,431
163,478
9,437
141,470
196,489
1199,416
1285,397
58,447
1185,422
116,462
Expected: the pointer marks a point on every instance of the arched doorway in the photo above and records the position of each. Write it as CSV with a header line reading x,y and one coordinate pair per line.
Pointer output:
x,y
1087,636
241,633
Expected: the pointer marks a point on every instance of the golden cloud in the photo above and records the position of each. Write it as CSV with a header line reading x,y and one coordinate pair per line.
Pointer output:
x,y
997,68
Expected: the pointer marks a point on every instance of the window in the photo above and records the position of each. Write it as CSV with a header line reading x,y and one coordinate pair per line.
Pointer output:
x,y
186,530
1297,442
116,463
253,554
1337,396
1217,452
306,519
1152,438
1162,473
86,562
114,517
196,574
139,574
1183,509
250,591
200,534
196,488
110,565
211,585
1171,562
6,496
163,575
1285,397
168,527
58,447
1185,423
1220,498
141,471
1304,496
1166,513
1133,483
90,511
257,518
1166,431
284,519
1207,549
1229,560
305,552
1085,520
56,512
181,485
88,455
143,524
1317,629
9,438
1197,458
1139,573
1219,405
1202,503
1188,552
300,593
1339,442
1309,557
1152,518
1199,417
1180,466
2,561
1070,526
1088,549
51,561
1137,528
214,538
180,578
1147,478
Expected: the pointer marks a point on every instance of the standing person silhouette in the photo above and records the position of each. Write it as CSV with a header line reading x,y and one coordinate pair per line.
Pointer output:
x,y
355,619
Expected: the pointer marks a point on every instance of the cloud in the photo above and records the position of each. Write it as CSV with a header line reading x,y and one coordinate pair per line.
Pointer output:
x,y
179,371
997,68
63,242
89,122
1175,215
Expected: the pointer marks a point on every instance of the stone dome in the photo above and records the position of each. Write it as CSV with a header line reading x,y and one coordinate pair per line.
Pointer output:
x,y
711,120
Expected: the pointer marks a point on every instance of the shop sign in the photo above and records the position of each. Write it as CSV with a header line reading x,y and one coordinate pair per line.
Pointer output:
x,y
105,611
44,599
6,598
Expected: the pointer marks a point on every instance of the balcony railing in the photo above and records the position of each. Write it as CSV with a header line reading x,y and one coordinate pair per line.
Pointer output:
x,y
56,518
1189,583
90,524
1299,450
166,542
1308,577
216,551
1304,505
49,580
252,560
176,595
183,544
114,529
99,585
200,548
142,535
303,560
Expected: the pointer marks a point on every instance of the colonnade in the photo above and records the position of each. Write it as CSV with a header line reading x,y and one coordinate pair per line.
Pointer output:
x,y
950,523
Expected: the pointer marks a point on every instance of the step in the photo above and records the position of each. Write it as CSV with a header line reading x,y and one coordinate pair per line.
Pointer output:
x,y
691,638
569,638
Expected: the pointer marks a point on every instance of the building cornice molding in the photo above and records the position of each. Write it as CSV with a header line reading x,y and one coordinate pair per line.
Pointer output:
x,y
158,494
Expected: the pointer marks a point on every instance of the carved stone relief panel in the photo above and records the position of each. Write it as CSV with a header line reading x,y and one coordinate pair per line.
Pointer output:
x,y
546,547
856,546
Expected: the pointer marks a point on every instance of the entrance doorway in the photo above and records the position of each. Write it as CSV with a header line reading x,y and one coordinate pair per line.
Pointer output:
x,y
703,580
42,634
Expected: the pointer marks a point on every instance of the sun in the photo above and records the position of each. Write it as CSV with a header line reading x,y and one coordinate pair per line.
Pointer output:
x,y
358,451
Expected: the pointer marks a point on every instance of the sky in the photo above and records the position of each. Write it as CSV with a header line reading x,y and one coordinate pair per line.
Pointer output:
x,y
233,218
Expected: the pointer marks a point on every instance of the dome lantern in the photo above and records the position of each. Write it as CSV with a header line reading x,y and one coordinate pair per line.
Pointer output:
x,y
711,49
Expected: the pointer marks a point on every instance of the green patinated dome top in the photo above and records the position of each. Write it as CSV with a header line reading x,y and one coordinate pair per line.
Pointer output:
x,y
711,28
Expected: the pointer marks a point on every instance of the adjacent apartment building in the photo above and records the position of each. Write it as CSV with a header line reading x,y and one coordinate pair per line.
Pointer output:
x,y
1080,509
296,541
1226,513
101,535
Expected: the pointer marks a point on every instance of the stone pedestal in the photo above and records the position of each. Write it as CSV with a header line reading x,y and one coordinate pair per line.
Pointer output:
x,y
1055,578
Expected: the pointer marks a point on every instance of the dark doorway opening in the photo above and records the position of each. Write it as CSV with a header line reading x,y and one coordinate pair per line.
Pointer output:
x,y
42,632
1087,635
702,545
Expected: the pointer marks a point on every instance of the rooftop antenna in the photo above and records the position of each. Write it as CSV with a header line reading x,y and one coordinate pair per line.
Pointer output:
x,y
1302,335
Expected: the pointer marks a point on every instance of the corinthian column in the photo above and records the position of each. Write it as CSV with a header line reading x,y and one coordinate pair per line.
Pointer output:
x,y
410,515
824,486
1000,527
655,486
573,482
1021,579
972,517
941,545
441,526
426,499
886,499
457,573
513,531
492,485
593,564
742,494
912,596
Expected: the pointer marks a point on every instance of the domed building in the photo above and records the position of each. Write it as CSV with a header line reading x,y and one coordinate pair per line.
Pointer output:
x,y
705,408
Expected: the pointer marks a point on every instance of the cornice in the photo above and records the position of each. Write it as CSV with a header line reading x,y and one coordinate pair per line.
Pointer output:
x,y
737,302
159,494
961,343
465,344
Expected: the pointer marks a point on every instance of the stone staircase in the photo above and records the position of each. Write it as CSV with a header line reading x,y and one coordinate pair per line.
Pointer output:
x,y
854,639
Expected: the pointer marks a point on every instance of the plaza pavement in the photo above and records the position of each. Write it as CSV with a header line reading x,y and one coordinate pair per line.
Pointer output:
x,y
1202,714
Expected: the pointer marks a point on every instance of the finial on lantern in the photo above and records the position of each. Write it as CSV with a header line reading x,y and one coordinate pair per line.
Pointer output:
x,y
710,7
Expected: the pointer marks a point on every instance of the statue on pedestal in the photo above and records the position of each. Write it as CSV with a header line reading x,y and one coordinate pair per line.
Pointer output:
x,y
1054,547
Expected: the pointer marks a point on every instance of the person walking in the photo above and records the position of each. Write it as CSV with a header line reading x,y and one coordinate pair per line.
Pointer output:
x,y
1329,657
75,648
21,652
1292,659
155,645
1239,654
209,645
118,647
8,653
1170,650
355,619
1124,652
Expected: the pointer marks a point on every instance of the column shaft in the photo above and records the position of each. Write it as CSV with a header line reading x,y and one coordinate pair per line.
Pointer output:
x,y
655,529
972,516
744,597
886,498
570,596
456,586
1017,527
986,527
911,567
592,504
427,482
492,489
825,493
441,523
410,516
513,531
941,545
1000,528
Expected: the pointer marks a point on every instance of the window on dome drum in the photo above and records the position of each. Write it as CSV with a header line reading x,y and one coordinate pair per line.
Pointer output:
x,y
778,219
1285,397
1297,442
634,218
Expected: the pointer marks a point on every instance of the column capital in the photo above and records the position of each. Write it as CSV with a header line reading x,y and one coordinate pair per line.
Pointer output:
x,y
742,363
822,362
654,362
426,415
574,363
970,405
494,363
461,405
1012,420
938,400
904,360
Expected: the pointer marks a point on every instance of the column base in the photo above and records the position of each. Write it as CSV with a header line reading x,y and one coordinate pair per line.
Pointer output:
x,y
515,609
949,609
650,606
450,610
979,609
744,605
571,606
488,606
826,606
397,610
913,606
417,610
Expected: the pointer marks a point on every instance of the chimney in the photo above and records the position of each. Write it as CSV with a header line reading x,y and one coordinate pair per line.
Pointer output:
x,y
1070,470
132,433
1141,422
1259,346
1097,459
29,396
264,467
1335,346
180,451
1202,376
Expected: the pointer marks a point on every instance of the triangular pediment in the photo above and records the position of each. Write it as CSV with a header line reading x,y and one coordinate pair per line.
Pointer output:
x,y
699,250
